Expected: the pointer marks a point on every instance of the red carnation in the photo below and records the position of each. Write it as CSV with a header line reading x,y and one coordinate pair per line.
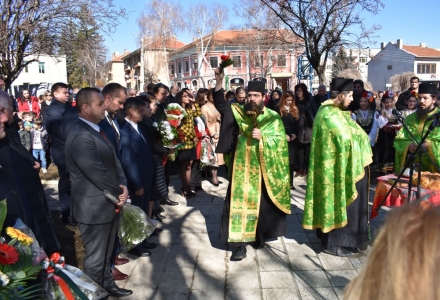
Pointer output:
x,y
226,61
8,254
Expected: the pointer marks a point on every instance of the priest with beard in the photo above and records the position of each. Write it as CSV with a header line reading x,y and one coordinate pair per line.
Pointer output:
x,y
418,123
258,196
336,203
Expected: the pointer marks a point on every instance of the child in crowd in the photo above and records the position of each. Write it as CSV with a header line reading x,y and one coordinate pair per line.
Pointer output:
x,y
24,135
38,139
28,118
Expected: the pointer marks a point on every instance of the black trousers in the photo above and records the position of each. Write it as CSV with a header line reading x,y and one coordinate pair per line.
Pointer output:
x,y
196,174
98,242
303,155
64,187
355,233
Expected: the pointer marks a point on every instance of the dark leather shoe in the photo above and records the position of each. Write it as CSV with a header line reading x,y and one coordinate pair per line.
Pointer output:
x,y
155,217
119,292
160,215
118,275
338,251
156,231
140,252
198,188
121,261
239,253
148,245
169,202
66,219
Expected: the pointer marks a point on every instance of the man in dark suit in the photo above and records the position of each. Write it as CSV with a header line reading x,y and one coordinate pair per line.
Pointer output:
x,y
95,169
53,121
114,95
137,162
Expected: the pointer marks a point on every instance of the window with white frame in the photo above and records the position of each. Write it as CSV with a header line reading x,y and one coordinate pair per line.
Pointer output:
x,y
41,68
281,60
213,61
426,68
236,61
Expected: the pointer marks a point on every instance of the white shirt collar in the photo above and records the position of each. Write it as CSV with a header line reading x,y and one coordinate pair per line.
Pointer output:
x,y
93,125
135,125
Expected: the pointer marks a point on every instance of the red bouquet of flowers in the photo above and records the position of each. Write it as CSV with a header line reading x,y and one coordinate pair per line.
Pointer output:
x,y
226,61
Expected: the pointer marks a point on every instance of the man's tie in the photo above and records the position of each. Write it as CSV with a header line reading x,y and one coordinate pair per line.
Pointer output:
x,y
104,136
112,123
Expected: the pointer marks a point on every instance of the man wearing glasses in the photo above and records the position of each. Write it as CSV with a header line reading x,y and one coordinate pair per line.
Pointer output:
x,y
414,86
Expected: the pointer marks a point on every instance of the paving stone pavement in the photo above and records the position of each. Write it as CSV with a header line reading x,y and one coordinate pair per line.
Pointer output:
x,y
190,262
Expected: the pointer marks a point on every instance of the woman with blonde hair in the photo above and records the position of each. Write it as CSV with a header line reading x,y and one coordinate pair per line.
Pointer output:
x,y
404,262
290,115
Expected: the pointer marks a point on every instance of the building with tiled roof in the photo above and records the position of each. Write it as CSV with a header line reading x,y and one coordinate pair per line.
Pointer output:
x,y
269,55
396,58
116,74
154,61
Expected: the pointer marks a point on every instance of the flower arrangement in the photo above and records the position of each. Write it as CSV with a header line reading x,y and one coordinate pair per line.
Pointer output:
x,y
134,225
388,94
226,61
16,263
415,94
170,136
368,96
62,281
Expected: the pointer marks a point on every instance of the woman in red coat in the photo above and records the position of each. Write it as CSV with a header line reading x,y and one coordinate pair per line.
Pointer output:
x,y
28,103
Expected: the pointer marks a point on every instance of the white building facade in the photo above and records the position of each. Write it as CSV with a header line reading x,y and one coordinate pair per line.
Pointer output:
x,y
39,75
397,58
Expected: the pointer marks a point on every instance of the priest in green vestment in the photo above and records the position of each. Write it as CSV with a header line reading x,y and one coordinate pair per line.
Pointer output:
x,y
258,196
336,203
418,124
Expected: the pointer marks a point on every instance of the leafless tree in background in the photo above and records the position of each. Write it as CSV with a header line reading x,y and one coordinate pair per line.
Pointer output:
x,y
325,25
159,22
204,22
400,82
30,28
355,74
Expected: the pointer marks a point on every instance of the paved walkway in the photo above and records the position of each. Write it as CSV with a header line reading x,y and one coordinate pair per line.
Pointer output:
x,y
191,263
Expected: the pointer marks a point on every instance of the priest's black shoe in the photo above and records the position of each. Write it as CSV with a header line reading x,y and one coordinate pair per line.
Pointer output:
x,y
119,292
239,253
148,245
168,202
139,252
338,251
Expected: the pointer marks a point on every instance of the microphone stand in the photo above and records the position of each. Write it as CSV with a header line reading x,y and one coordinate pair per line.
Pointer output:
x,y
410,163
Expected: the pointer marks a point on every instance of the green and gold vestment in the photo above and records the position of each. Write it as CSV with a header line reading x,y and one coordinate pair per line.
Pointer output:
x,y
418,128
339,152
254,160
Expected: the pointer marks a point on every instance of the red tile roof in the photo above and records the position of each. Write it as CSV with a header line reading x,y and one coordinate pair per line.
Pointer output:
x,y
244,37
171,44
421,51
120,57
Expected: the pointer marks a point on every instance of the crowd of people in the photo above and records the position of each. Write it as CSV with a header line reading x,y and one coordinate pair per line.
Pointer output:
x,y
106,141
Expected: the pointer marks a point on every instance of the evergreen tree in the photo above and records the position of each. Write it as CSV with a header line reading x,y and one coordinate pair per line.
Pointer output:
x,y
85,53
341,62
